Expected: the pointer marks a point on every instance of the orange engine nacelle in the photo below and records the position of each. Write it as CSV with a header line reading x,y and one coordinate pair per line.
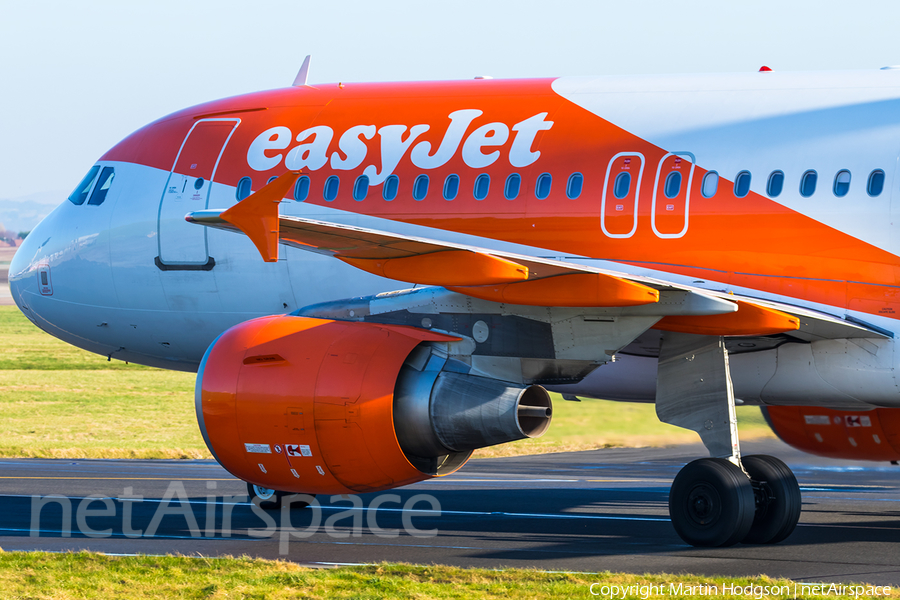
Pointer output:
x,y
308,405
856,435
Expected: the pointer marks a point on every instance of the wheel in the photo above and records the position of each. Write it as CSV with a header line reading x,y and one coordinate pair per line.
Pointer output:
x,y
264,497
711,503
271,499
778,500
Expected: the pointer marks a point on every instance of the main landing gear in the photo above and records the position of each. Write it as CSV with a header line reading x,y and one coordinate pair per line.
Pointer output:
x,y
726,499
714,503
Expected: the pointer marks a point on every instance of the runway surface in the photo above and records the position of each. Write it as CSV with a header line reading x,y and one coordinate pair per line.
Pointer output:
x,y
584,511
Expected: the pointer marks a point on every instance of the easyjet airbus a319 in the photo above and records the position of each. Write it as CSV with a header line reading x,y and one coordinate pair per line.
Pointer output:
x,y
374,280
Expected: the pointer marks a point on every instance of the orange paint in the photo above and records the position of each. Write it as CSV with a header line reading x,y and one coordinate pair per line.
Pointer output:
x,y
291,394
855,435
750,319
752,242
257,215
445,268
583,289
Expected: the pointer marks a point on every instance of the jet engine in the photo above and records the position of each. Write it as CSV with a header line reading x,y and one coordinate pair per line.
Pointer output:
x,y
317,406
855,435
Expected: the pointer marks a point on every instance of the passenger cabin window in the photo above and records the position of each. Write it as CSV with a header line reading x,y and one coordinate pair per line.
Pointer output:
x,y
451,187
512,186
482,186
710,184
622,185
876,183
842,183
673,184
808,184
420,187
574,185
742,184
80,194
775,184
332,185
542,187
243,188
270,180
198,183
102,188
391,185
361,188
301,188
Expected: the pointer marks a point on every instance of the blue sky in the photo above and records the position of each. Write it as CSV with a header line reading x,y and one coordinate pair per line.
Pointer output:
x,y
75,78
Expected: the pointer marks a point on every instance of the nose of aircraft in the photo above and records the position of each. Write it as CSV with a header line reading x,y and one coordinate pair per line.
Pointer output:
x,y
29,269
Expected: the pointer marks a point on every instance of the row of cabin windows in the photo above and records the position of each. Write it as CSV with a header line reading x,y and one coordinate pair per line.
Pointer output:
x,y
574,186
511,188
775,184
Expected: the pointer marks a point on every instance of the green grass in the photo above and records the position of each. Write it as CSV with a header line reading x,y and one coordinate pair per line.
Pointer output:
x,y
59,401
135,413
41,575
593,424
24,346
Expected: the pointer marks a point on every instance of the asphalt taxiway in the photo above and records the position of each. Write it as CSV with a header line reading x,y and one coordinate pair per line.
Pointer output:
x,y
581,511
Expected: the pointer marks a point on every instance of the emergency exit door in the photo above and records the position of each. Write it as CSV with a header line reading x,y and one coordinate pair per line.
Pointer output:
x,y
670,211
621,195
182,244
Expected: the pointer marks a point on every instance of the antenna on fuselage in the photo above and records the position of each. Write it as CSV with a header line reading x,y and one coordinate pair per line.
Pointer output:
x,y
303,74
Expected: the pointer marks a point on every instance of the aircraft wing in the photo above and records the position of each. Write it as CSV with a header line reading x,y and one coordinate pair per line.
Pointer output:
x,y
517,279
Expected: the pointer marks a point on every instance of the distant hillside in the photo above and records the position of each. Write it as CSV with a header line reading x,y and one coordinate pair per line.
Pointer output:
x,y
24,212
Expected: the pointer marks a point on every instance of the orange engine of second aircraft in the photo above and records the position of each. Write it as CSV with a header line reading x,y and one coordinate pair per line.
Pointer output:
x,y
311,405
856,435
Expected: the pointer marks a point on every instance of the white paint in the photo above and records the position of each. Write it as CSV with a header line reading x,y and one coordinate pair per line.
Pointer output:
x,y
312,155
395,142
258,448
353,147
486,136
393,147
276,138
521,154
762,122
459,122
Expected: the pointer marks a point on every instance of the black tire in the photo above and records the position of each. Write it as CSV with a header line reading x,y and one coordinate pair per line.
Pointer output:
x,y
264,497
778,501
272,499
711,503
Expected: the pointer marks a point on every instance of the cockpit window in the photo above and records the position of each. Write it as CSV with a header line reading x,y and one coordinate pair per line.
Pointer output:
x,y
81,192
106,179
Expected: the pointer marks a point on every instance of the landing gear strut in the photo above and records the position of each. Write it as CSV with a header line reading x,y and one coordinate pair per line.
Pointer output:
x,y
726,499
